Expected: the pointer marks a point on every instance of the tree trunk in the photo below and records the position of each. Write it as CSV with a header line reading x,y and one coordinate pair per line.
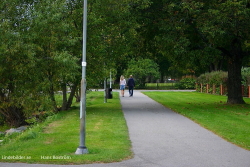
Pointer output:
x,y
71,96
53,100
64,90
234,81
52,96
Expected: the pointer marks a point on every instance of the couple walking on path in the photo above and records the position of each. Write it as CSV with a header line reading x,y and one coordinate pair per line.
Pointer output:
x,y
131,85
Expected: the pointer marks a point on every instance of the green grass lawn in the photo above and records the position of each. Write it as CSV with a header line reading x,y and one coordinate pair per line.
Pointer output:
x,y
107,137
231,122
170,85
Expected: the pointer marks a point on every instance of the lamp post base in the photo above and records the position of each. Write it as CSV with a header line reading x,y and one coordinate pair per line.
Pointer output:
x,y
81,150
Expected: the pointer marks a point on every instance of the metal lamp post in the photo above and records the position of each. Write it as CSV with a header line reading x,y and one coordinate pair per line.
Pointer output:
x,y
82,149
110,80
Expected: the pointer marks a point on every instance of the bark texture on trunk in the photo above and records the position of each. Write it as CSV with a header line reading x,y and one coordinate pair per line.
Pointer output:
x,y
234,81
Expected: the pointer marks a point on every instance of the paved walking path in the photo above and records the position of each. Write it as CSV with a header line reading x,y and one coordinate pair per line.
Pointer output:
x,y
162,138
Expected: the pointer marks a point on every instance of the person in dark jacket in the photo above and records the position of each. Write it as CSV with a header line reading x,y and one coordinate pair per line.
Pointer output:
x,y
131,85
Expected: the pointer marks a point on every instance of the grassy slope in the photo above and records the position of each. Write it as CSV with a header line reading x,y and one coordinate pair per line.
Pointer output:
x,y
107,137
231,122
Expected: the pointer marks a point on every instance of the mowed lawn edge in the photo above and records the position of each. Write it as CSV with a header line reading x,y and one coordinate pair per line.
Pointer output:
x,y
56,140
231,122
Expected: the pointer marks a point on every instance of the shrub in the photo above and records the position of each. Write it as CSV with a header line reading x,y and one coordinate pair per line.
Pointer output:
x,y
215,77
186,83
245,72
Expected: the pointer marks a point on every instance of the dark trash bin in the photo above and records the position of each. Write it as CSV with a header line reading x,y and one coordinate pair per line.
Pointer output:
x,y
109,93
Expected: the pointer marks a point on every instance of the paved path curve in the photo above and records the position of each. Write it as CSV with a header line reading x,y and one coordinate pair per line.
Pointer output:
x,y
162,138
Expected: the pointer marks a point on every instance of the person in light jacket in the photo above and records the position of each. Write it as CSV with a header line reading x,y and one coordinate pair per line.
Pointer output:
x,y
122,85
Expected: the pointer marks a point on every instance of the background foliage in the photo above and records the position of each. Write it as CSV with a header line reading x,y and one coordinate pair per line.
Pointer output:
x,y
143,70
41,46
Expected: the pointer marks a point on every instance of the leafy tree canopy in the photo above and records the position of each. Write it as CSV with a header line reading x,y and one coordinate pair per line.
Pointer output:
x,y
143,70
